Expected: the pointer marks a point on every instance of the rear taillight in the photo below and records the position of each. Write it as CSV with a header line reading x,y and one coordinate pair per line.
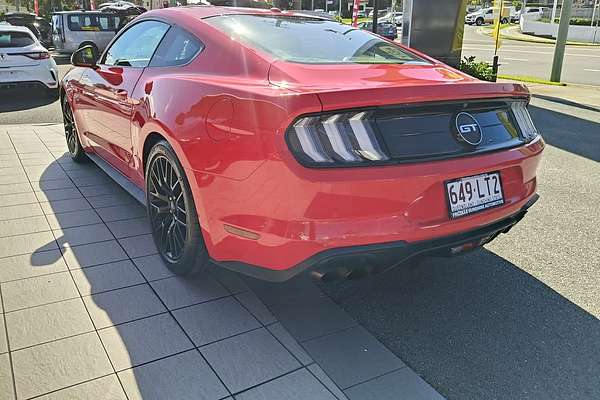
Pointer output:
x,y
38,55
343,138
528,129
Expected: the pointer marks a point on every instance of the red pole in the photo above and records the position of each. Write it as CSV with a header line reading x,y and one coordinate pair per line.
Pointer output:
x,y
36,7
355,13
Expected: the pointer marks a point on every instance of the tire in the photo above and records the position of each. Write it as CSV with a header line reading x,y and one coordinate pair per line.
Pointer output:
x,y
504,21
71,135
172,213
479,21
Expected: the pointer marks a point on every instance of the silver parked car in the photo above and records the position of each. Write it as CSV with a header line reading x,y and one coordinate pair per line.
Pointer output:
x,y
72,30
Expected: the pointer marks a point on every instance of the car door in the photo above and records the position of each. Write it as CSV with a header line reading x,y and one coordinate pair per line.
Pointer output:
x,y
109,87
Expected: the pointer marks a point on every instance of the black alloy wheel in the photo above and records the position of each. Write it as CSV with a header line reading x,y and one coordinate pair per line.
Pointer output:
x,y
172,213
71,135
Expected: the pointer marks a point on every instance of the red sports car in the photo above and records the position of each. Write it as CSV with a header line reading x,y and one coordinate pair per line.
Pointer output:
x,y
272,142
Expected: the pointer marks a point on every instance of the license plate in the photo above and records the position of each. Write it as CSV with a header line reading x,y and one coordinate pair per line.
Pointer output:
x,y
472,194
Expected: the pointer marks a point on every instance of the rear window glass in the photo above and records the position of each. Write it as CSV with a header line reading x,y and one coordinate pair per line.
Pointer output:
x,y
308,40
15,39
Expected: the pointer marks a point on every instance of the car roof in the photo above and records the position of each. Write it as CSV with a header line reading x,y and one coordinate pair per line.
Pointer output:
x,y
205,11
14,28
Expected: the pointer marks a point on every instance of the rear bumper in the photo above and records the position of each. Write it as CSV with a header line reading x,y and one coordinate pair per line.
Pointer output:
x,y
20,85
378,257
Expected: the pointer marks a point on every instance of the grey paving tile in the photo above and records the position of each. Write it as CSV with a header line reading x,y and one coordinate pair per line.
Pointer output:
x,y
249,359
22,226
122,305
47,323
4,170
144,340
21,211
352,356
3,341
52,184
8,179
55,365
98,190
58,194
36,291
93,254
105,388
215,320
6,380
256,307
82,235
106,277
184,376
24,244
30,265
298,385
152,267
138,246
303,309
130,227
62,206
231,280
14,199
403,384
290,343
91,170
10,162
73,218
179,292
116,213
109,200
16,188
98,179
326,380
46,174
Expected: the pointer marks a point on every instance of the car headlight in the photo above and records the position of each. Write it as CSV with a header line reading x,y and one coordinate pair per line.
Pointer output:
x,y
521,114
344,138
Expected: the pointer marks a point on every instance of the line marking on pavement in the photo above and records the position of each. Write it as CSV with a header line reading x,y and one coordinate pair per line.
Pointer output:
x,y
534,52
591,70
516,59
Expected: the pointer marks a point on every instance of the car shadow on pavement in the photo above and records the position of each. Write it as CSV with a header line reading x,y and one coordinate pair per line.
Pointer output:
x,y
19,100
478,327
573,134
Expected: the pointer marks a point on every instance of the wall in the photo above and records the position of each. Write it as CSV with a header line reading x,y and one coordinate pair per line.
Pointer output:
x,y
576,33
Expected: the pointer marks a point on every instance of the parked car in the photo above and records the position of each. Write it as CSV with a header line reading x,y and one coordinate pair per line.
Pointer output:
x,y
534,13
72,30
361,14
318,14
25,63
396,18
271,144
485,16
38,26
386,29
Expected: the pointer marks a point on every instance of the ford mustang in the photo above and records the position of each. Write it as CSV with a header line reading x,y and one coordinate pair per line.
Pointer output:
x,y
270,142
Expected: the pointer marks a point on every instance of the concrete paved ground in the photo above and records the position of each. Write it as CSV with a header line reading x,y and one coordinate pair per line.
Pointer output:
x,y
88,310
518,320
581,64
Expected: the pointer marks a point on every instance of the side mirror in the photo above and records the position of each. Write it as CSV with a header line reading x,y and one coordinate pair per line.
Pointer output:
x,y
87,56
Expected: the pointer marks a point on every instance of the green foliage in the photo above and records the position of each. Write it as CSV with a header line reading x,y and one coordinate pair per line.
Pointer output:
x,y
573,21
478,69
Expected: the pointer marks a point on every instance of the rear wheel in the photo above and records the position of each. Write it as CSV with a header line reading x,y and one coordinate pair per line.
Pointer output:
x,y
71,135
172,213
479,21
504,21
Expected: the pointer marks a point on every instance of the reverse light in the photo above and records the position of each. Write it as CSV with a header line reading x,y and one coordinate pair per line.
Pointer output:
x,y
521,114
343,138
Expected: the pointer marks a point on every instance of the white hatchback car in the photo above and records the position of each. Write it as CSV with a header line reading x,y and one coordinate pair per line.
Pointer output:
x,y
24,62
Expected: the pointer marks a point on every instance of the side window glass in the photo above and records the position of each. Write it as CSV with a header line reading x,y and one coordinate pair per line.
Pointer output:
x,y
134,48
178,48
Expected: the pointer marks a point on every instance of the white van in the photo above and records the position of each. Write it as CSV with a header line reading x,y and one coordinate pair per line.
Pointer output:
x,y
74,29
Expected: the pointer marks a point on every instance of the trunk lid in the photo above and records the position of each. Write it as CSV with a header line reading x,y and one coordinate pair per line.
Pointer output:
x,y
360,85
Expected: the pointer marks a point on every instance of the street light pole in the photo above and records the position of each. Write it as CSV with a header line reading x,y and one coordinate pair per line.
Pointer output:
x,y
561,40
375,15
554,12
